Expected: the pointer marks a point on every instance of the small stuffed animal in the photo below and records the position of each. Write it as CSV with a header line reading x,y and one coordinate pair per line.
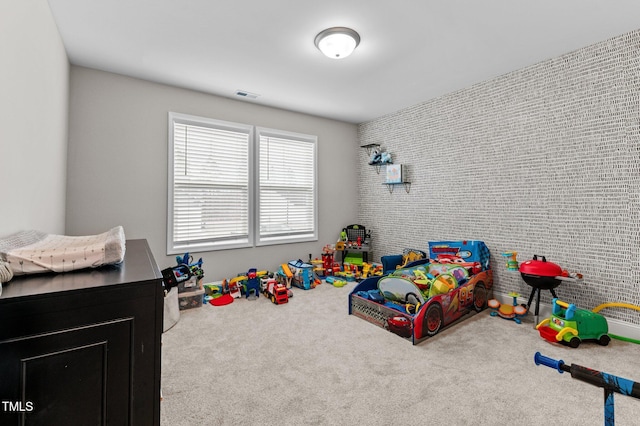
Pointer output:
x,y
385,158
375,156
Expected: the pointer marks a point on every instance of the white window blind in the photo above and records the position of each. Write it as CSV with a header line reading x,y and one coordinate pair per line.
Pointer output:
x,y
209,184
287,188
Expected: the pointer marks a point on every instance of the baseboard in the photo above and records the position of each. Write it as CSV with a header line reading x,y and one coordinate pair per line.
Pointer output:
x,y
617,327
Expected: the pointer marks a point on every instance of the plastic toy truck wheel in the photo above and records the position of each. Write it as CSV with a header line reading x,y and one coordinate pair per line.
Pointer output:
x,y
479,297
604,340
433,319
574,342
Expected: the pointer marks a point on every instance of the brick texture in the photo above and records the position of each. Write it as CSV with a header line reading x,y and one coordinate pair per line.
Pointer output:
x,y
544,160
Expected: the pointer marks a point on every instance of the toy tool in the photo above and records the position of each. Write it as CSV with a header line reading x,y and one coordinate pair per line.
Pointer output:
x,y
608,382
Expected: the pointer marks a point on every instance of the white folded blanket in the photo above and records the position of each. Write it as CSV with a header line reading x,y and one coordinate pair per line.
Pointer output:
x,y
31,252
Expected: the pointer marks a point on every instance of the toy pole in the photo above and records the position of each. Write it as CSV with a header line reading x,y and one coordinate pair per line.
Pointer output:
x,y
608,382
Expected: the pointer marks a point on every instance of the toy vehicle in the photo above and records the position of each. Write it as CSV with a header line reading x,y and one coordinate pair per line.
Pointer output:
x,y
571,325
446,303
274,291
426,294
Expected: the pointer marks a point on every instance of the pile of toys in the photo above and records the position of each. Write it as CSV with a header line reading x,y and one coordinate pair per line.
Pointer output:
x,y
339,274
187,277
567,324
275,286
249,285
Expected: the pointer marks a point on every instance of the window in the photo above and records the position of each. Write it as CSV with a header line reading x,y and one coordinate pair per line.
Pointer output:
x,y
210,193
212,203
286,196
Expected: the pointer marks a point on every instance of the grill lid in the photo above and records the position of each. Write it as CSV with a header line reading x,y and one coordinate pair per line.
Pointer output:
x,y
541,267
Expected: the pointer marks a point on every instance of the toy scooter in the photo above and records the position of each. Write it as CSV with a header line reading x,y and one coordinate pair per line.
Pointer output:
x,y
608,382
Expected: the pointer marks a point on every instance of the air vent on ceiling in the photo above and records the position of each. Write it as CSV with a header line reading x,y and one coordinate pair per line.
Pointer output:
x,y
245,94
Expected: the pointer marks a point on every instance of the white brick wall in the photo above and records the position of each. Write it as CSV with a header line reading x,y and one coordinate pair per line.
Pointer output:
x,y
543,160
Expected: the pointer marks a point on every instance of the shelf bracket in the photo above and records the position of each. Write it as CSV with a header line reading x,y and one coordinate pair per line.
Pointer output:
x,y
390,186
369,147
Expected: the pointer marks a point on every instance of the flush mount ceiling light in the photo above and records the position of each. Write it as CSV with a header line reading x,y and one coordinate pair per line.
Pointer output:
x,y
337,42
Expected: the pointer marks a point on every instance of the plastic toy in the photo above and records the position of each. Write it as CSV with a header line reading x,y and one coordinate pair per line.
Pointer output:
x,y
336,282
301,274
370,269
608,382
512,263
540,275
429,294
274,291
571,325
184,271
513,312
251,282
284,275
410,256
318,267
173,276
234,288
327,259
618,305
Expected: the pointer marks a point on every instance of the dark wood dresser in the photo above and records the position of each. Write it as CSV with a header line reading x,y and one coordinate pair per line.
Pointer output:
x,y
83,348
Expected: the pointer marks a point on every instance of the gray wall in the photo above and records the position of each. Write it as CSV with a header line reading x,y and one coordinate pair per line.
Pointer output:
x,y
544,160
118,165
34,85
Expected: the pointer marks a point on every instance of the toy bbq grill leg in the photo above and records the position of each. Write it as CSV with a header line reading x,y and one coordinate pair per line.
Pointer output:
x,y
537,305
534,292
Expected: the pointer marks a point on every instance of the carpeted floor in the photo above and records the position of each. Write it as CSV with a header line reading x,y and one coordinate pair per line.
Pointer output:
x,y
309,363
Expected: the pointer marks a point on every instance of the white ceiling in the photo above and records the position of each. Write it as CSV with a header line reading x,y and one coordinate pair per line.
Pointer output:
x,y
411,50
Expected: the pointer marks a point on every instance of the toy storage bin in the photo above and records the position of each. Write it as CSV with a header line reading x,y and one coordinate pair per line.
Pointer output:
x,y
191,299
191,284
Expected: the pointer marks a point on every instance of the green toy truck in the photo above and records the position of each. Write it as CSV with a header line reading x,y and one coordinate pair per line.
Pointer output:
x,y
571,325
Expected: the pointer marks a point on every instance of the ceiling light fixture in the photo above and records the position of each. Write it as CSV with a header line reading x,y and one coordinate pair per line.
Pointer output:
x,y
337,42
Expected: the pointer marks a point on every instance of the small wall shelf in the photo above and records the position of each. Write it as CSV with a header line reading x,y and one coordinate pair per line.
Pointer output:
x,y
390,186
369,147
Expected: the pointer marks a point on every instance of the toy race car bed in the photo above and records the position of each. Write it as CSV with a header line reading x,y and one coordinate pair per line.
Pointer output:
x,y
425,296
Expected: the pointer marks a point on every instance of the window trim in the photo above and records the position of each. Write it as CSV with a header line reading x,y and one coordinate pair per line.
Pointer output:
x,y
266,241
172,247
